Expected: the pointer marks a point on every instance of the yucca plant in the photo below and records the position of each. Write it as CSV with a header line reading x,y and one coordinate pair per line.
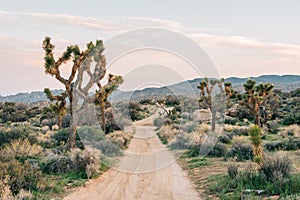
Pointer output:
x,y
257,149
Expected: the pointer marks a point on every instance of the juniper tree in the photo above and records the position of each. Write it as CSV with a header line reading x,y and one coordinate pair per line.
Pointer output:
x,y
255,100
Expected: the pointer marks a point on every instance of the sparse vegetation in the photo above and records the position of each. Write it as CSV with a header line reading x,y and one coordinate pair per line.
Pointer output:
x,y
38,158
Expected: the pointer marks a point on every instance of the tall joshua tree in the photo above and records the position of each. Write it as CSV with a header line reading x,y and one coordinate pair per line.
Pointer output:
x,y
74,87
255,99
207,100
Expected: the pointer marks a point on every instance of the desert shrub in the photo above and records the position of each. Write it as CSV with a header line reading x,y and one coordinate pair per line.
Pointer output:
x,y
241,150
17,161
273,127
291,144
66,120
226,187
91,170
108,148
167,133
14,133
230,120
5,192
58,164
274,146
172,100
292,130
194,149
291,118
20,150
240,131
111,123
182,141
61,138
189,127
244,114
15,112
160,121
135,111
121,139
232,170
218,150
147,101
21,175
276,168
93,136
75,161
49,122
225,138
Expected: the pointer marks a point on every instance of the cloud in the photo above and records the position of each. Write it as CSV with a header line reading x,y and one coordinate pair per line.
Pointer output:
x,y
283,49
153,22
65,19
76,20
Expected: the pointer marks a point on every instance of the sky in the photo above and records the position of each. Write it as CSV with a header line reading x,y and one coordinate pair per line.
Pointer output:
x,y
240,38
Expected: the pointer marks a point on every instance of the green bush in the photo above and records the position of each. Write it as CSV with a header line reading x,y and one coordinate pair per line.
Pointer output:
x,y
75,161
225,138
241,151
241,131
291,118
233,185
230,120
61,138
291,144
14,133
58,165
219,150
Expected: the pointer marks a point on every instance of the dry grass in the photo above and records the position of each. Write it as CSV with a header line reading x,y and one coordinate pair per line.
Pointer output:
x,y
292,130
168,133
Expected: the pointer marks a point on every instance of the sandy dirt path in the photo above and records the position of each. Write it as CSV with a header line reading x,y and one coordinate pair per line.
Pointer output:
x,y
148,171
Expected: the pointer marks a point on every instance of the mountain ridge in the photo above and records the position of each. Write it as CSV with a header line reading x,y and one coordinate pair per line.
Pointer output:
x,y
187,88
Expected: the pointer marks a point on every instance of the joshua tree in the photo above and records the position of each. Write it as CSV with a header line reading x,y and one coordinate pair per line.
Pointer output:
x,y
60,105
74,88
103,93
214,104
255,99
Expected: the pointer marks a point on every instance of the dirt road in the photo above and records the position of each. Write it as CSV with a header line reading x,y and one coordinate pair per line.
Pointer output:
x,y
148,171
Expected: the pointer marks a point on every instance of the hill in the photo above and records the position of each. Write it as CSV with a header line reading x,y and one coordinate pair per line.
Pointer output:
x,y
189,88
186,88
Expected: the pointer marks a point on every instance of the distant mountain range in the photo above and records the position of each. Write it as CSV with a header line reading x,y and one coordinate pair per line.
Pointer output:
x,y
186,88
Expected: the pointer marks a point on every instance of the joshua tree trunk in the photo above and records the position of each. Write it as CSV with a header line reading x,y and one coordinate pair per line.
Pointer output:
x,y
72,136
213,121
103,116
73,127
257,115
60,117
